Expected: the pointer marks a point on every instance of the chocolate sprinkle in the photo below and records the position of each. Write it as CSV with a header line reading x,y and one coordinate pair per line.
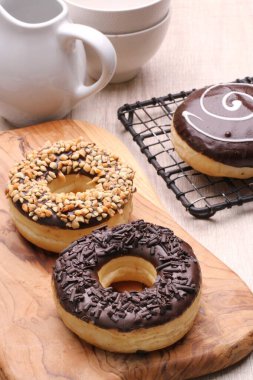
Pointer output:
x,y
176,286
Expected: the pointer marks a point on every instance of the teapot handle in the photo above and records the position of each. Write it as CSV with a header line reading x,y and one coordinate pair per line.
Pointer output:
x,y
102,46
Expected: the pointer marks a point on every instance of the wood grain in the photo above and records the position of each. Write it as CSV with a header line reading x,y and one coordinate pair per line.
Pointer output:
x,y
207,42
34,344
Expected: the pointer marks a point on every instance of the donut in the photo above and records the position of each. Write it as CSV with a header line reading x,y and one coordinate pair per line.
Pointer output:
x,y
212,130
128,321
67,189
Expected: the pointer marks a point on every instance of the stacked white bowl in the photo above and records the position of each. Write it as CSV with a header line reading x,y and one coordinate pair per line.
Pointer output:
x,y
136,29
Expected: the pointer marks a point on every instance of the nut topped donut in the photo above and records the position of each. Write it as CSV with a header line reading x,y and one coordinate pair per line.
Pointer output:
x,y
128,321
66,190
213,130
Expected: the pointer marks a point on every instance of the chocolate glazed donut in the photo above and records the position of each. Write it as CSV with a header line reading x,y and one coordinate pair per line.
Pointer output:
x,y
151,319
212,130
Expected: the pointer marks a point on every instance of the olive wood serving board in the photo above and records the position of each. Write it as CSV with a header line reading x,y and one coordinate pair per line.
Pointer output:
x,y
34,343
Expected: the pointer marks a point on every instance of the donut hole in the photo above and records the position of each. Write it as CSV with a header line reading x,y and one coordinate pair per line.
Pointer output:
x,y
127,273
71,183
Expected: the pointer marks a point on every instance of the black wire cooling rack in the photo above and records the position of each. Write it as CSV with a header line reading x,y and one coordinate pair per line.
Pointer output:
x,y
149,123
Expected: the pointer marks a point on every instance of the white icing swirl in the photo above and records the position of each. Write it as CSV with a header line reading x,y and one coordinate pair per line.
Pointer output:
x,y
236,105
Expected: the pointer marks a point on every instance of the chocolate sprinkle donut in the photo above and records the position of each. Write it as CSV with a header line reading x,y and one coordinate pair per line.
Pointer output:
x,y
176,286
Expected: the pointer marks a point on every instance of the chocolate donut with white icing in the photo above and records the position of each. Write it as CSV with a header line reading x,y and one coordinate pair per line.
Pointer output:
x,y
212,130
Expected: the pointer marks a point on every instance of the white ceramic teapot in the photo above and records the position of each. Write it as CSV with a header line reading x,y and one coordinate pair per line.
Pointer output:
x,y
42,63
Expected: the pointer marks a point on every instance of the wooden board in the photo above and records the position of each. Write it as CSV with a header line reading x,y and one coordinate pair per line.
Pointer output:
x,y
34,343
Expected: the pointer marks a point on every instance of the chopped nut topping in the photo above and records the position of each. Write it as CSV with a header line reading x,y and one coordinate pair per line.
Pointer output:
x,y
112,182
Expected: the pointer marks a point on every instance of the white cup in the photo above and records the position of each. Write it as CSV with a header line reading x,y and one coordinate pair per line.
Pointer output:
x,y
133,51
118,16
136,29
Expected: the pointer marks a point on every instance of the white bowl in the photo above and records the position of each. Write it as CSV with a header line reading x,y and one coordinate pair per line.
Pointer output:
x,y
118,16
133,51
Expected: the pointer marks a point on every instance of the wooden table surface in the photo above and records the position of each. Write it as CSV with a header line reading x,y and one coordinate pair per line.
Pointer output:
x,y
207,42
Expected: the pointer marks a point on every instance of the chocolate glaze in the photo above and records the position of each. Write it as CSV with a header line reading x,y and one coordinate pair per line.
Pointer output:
x,y
227,116
80,293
